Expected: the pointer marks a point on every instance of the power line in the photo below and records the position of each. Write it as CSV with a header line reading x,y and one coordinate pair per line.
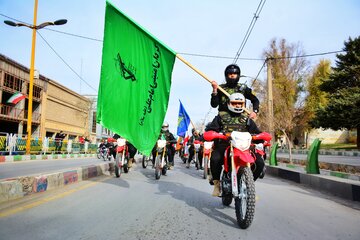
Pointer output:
x,y
66,63
307,55
192,54
258,73
74,35
212,56
250,28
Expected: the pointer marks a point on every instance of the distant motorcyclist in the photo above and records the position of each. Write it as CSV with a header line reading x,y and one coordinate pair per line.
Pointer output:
x,y
131,149
233,120
195,136
170,142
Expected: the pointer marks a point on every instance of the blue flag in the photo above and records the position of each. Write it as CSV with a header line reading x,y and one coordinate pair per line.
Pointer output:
x,y
183,121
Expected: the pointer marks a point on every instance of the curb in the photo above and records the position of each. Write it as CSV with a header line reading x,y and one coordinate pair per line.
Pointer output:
x,y
16,158
346,189
15,188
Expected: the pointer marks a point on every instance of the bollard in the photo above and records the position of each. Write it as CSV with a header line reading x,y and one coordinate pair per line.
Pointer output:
x,y
312,165
273,161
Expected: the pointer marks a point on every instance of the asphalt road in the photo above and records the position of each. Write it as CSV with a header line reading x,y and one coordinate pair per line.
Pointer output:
x,y
178,206
31,167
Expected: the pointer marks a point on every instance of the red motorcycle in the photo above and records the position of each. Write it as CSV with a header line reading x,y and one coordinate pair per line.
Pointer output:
x,y
122,157
237,181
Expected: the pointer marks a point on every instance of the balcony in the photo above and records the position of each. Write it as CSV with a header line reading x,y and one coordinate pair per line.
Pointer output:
x,y
10,113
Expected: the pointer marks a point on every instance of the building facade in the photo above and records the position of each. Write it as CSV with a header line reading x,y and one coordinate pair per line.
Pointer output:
x,y
55,107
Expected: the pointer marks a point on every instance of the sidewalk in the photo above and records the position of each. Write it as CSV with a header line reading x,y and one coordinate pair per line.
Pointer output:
x,y
14,158
353,153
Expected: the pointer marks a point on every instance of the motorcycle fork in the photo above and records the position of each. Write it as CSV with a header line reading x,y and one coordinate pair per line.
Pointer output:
x,y
123,157
234,180
163,157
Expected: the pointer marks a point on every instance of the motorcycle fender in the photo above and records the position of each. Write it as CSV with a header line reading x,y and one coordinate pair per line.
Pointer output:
x,y
242,158
206,151
120,148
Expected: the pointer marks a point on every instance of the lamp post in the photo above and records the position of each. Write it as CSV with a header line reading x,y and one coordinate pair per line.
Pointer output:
x,y
34,27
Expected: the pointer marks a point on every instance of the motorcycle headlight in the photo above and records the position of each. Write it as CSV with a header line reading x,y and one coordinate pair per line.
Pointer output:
x,y
241,140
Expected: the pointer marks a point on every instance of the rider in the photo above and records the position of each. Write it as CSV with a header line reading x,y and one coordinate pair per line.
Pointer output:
x,y
233,120
232,85
102,146
170,141
195,136
131,149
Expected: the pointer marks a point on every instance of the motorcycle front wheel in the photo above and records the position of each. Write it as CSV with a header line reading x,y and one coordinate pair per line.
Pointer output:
x,y
118,168
245,202
158,167
206,169
145,161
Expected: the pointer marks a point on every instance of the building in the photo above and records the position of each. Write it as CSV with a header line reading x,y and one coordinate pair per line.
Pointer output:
x,y
55,107
100,131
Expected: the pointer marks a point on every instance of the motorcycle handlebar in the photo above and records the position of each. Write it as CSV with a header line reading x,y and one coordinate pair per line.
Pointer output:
x,y
211,135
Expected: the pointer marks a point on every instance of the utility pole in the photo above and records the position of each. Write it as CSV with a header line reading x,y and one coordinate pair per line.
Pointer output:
x,y
270,99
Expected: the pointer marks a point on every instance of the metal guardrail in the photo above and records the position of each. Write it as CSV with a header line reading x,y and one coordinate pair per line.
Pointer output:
x,y
12,144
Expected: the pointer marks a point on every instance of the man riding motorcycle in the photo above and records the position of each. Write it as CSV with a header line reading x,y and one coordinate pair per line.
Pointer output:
x,y
195,136
170,142
233,120
131,149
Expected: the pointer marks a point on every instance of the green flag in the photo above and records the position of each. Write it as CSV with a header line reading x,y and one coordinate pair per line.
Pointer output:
x,y
135,81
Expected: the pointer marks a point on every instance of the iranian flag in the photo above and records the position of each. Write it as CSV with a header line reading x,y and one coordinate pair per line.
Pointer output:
x,y
17,97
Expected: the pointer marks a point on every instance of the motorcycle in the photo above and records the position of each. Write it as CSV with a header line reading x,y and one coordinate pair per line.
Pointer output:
x,y
160,159
122,157
237,181
206,158
100,152
197,146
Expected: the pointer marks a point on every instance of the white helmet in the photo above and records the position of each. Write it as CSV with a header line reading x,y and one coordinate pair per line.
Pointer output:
x,y
236,103
165,127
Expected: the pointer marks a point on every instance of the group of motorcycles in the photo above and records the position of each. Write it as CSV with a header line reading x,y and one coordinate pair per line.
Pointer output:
x,y
236,181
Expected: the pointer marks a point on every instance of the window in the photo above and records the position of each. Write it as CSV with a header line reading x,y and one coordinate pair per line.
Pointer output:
x,y
13,82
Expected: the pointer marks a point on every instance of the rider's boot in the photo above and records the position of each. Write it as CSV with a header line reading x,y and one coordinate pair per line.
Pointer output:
x,y
216,191
130,162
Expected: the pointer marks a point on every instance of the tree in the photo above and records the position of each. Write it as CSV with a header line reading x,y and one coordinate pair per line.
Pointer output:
x,y
288,73
343,88
315,99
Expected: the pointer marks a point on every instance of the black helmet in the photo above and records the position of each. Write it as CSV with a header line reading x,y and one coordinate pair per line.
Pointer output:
x,y
232,68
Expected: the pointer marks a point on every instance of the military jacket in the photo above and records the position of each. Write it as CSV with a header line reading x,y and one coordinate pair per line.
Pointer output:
x,y
221,99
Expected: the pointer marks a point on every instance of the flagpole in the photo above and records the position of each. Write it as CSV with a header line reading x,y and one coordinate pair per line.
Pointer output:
x,y
206,78
200,73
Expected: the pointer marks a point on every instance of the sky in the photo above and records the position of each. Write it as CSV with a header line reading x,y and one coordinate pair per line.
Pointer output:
x,y
210,28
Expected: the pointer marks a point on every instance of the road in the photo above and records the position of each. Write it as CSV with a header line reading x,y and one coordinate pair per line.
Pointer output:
x,y
347,160
178,206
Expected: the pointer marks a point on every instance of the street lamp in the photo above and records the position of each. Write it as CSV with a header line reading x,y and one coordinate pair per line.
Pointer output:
x,y
34,27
